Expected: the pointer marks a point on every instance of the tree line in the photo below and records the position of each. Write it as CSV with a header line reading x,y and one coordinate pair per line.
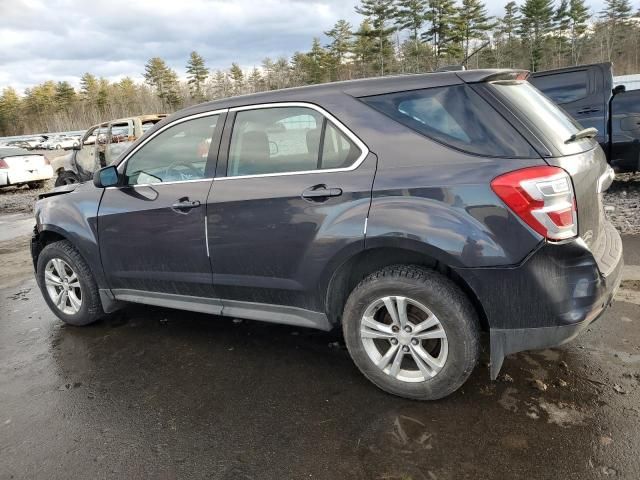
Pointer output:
x,y
394,36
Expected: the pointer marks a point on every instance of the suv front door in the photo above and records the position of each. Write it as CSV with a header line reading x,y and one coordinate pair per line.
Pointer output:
x,y
291,193
152,226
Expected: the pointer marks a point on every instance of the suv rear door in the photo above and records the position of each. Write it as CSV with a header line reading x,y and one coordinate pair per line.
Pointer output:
x,y
583,92
291,193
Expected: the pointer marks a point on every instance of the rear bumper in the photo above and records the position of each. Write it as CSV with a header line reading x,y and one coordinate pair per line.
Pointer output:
x,y
15,177
551,297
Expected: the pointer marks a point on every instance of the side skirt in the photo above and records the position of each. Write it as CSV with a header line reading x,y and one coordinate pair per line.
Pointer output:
x,y
228,308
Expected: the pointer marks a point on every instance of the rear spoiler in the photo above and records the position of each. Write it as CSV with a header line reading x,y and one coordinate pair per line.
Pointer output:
x,y
477,76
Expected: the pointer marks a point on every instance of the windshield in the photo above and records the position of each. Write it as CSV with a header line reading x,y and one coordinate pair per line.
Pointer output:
x,y
543,116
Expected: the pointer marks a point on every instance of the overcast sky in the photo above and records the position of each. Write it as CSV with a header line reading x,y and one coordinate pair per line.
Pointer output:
x,y
61,39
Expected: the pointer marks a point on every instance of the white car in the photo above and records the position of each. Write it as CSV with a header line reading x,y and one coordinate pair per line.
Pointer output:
x,y
20,167
58,143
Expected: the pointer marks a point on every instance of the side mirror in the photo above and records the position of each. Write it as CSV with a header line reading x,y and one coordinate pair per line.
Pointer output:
x,y
106,177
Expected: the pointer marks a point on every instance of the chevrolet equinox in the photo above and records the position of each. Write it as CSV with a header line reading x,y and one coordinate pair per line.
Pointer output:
x,y
412,212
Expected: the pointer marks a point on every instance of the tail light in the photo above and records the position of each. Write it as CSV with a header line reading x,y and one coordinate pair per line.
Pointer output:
x,y
543,198
3,164
46,160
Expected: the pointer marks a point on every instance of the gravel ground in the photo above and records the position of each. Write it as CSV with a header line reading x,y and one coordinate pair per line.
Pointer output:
x,y
622,203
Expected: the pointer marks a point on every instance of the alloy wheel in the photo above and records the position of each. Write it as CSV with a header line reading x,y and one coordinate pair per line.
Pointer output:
x,y
404,339
63,286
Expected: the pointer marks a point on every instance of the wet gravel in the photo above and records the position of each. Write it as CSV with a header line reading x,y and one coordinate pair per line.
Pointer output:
x,y
622,203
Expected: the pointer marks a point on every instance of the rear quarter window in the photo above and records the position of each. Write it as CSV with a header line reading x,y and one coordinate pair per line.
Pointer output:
x,y
457,117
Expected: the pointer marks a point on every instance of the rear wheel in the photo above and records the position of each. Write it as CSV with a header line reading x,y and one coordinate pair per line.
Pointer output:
x,y
66,178
67,284
412,332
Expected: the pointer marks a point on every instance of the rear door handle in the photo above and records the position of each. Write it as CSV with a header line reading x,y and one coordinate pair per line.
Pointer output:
x,y
319,192
184,205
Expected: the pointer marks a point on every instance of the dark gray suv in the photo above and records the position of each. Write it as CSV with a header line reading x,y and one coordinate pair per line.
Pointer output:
x,y
413,212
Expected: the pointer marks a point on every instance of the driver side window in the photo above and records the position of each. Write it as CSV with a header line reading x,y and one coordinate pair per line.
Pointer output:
x,y
177,154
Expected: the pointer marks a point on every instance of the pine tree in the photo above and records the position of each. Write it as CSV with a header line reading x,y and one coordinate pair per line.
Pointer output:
x,y
197,73
381,13
340,46
317,62
615,16
363,46
10,119
473,22
88,87
410,15
165,81
221,84
255,81
237,77
442,32
578,16
562,22
508,26
65,96
537,20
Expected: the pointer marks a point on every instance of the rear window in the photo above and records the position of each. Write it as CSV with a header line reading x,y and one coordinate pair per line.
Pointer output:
x,y
563,87
455,116
543,116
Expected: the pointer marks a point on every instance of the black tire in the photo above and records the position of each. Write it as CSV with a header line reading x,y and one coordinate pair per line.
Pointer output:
x,y
66,178
445,300
91,307
36,185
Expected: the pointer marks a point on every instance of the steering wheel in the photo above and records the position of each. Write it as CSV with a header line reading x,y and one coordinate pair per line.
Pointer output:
x,y
172,171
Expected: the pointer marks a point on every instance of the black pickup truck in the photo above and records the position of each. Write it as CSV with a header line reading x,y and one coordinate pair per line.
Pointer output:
x,y
587,93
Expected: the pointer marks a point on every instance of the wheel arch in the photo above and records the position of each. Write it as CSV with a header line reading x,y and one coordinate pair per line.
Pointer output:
x,y
365,262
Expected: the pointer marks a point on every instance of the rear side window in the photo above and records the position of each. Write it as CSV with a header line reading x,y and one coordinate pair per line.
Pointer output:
x,y
277,140
455,116
563,87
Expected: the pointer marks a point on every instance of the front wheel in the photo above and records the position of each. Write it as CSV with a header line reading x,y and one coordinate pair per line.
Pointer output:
x,y
412,332
66,178
67,284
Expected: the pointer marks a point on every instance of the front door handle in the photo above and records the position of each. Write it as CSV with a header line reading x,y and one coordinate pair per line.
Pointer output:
x,y
320,192
586,110
184,205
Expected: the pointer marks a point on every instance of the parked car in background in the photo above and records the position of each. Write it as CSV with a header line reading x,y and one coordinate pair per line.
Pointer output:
x,y
19,166
59,143
587,93
412,212
99,146
18,144
35,142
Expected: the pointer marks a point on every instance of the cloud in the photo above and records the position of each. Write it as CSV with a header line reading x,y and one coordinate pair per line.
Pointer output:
x,y
61,39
